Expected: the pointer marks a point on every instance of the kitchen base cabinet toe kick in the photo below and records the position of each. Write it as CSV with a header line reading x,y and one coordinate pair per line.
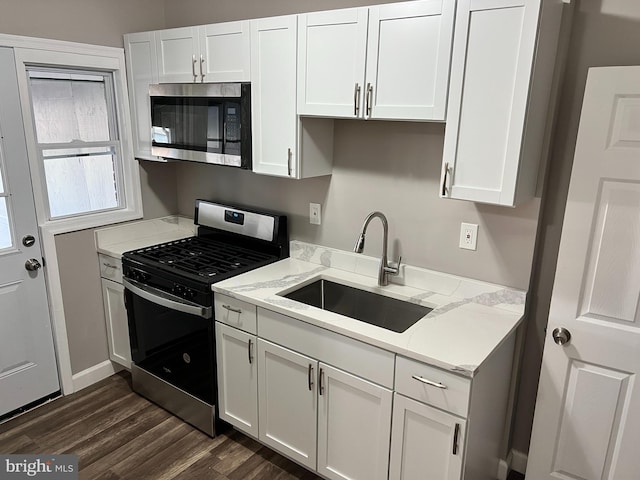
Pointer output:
x,y
345,409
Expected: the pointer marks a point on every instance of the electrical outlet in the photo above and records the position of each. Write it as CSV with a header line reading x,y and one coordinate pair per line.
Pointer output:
x,y
468,236
314,214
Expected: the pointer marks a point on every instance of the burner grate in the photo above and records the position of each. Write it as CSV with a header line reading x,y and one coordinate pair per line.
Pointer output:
x,y
202,257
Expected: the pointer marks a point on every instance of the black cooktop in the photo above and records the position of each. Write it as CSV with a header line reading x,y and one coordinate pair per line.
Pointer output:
x,y
201,258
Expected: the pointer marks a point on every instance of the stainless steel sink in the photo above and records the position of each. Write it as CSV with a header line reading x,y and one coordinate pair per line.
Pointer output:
x,y
389,313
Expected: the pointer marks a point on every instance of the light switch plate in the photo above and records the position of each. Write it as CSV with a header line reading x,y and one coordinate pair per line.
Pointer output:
x,y
315,217
468,236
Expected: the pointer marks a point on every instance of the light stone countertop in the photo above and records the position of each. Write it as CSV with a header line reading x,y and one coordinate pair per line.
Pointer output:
x,y
469,320
114,241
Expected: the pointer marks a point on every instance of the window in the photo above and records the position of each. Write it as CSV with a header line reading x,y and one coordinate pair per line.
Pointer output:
x,y
78,135
77,138
5,230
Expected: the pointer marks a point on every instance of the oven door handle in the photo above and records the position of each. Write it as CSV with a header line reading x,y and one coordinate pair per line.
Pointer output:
x,y
166,300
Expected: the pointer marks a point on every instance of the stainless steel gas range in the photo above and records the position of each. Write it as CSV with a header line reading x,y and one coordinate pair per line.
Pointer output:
x,y
169,304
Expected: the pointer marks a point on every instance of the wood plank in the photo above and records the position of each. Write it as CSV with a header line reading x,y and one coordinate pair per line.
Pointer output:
x,y
119,435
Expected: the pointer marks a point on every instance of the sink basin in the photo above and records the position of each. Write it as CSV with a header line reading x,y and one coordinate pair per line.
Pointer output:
x,y
389,313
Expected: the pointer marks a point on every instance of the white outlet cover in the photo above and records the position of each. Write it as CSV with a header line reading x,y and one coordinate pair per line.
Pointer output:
x,y
469,236
315,215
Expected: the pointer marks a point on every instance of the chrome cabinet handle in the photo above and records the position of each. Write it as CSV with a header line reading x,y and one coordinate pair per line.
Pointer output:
x,y
249,351
369,99
456,434
356,100
201,70
310,377
321,382
231,309
429,382
289,155
444,179
108,265
193,67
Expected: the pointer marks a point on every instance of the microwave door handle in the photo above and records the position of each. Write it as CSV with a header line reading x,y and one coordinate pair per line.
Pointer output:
x,y
165,300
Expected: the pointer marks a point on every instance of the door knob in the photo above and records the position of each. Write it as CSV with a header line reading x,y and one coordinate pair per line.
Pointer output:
x,y
561,336
32,265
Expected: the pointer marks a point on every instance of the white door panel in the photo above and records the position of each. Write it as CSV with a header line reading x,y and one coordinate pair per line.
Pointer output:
x,y
587,421
28,369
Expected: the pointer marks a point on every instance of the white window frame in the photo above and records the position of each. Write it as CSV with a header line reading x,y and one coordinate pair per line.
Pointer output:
x,y
91,58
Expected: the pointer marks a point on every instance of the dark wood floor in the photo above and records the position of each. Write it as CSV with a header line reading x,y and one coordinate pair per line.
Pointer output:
x,y
119,435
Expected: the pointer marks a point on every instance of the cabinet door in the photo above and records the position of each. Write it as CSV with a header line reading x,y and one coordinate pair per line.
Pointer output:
x,y
425,442
491,69
142,70
237,378
273,95
408,57
224,52
287,402
178,55
354,423
117,326
331,59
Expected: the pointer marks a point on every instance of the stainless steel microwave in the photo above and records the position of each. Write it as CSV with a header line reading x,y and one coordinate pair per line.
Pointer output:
x,y
202,122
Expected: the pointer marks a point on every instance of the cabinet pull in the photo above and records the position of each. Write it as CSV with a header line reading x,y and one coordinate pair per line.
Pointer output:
x,y
231,309
108,265
444,179
310,377
429,382
249,351
321,382
201,69
456,434
193,67
369,99
356,100
289,155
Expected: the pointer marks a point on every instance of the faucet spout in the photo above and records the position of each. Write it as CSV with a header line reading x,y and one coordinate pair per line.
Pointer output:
x,y
385,269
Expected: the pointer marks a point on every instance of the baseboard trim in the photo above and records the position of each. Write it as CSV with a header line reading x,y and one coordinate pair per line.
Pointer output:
x,y
518,461
94,374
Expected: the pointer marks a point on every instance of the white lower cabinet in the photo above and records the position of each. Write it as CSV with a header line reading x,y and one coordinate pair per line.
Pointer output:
x,y
237,378
114,310
287,402
425,442
349,410
354,422
117,326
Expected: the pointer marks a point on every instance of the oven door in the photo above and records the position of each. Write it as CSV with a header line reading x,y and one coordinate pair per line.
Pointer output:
x,y
172,339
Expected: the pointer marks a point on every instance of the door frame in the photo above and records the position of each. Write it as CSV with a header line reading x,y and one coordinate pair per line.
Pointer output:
x,y
70,382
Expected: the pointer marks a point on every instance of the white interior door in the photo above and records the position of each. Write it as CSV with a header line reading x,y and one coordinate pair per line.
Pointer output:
x,y
587,420
28,369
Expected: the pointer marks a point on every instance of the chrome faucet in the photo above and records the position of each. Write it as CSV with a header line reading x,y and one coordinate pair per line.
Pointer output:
x,y
385,268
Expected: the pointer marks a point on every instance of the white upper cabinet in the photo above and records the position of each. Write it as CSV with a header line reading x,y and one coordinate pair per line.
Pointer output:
x,y
331,56
208,53
283,144
383,62
178,53
408,57
224,52
142,70
499,98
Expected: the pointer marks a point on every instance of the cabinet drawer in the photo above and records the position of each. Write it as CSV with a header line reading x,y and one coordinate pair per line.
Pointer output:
x,y
234,312
449,391
361,359
110,268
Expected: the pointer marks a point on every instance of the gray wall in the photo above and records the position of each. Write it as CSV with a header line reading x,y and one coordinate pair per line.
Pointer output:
x,y
393,167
